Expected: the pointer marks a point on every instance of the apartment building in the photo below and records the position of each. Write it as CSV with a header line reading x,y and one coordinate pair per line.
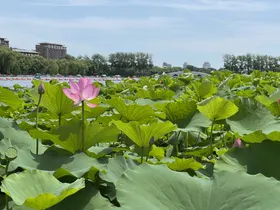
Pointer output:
x,y
4,42
51,51
25,52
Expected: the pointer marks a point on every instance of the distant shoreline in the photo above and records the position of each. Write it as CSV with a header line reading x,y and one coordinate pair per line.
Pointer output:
x,y
48,78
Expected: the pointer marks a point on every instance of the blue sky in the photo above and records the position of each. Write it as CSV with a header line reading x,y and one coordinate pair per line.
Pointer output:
x,y
174,31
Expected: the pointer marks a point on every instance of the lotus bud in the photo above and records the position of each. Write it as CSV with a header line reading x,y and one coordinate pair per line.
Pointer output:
x,y
238,143
279,101
41,89
152,141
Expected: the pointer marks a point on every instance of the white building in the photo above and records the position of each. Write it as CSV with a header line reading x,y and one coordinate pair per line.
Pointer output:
x,y
206,65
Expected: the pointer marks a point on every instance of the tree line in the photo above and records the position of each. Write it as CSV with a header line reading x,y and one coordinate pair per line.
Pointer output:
x,y
249,62
120,63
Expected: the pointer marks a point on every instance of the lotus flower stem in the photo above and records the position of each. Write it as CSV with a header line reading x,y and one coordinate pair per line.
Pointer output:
x,y
6,196
59,120
37,116
177,144
147,158
211,139
83,126
142,154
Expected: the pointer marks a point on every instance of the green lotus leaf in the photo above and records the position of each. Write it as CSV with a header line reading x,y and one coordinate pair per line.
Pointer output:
x,y
158,94
69,136
217,108
204,89
258,136
103,150
274,108
116,167
269,89
182,164
152,187
158,105
88,198
265,100
2,170
157,152
11,136
132,112
54,100
9,98
7,123
97,111
259,158
246,93
58,162
142,134
253,117
271,102
185,115
38,189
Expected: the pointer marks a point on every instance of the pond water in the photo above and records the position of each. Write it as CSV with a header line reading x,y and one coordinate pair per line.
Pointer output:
x,y
27,82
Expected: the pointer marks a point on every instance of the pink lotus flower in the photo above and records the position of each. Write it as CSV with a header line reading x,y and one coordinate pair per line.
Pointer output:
x,y
238,143
83,91
279,101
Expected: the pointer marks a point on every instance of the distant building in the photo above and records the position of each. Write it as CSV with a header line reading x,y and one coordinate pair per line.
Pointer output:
x,y
206,65
51,51
25,52
185,65
4,42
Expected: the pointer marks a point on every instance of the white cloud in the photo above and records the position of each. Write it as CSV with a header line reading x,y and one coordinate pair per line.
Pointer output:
x,y
26,31
99,23
249,36
226,5
71,3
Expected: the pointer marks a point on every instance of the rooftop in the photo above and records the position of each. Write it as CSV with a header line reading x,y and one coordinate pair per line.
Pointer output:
x,y
47,43
24,51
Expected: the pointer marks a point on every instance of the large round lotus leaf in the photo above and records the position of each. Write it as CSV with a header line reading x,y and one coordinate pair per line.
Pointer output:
x,y
55,161
156,187
68,136
54,99
131,112
88,198
9,98
186,116
116,167
259,158
9,136
217,108
252,117
37,189
142,134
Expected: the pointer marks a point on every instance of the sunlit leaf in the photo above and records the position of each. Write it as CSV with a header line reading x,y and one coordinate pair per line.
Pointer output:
x,y
217,108
142,134
37,189
53,99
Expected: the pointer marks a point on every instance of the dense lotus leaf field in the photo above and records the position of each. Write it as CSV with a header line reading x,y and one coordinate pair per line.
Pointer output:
x,y
185,143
